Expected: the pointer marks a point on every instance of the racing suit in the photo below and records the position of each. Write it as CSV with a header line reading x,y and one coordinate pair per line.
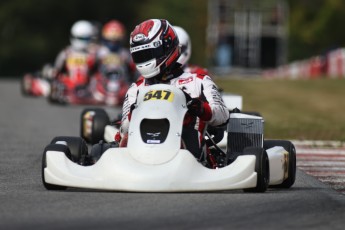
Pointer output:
x,y
78,66
197,86
195,69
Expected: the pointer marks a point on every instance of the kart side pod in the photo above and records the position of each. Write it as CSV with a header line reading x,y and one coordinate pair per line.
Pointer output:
x,y
245,131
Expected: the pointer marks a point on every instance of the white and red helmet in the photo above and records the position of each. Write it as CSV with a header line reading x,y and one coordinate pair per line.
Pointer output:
x,y
185,44
154,46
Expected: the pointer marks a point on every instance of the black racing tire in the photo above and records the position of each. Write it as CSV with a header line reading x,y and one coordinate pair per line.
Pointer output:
x,y
99,121
261,167
53,147
77,147
56,95
290,148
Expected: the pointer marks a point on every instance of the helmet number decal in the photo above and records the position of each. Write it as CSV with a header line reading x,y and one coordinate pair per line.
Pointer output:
x,y
159,95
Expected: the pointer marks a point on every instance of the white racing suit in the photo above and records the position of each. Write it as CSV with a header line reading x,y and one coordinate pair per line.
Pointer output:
x,y
197,86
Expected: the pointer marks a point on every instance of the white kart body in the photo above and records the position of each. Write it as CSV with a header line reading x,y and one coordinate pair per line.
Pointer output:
x,y
152,165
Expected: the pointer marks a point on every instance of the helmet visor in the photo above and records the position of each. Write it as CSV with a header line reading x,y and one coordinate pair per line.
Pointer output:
x,y
148,54
83,39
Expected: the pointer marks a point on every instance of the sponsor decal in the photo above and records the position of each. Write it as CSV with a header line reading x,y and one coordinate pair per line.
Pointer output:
x,y
153,142
248,125
157,43
139,37
154,134
185,81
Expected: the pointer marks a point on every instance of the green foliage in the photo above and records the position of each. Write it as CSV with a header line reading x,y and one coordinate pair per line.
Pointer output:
x,y
294,109
33,32
315,27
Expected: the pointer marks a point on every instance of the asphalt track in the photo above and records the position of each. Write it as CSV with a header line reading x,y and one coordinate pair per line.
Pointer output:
x,y
28,124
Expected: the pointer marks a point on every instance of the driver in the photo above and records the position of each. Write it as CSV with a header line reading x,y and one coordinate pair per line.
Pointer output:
x,y
82,36
155,49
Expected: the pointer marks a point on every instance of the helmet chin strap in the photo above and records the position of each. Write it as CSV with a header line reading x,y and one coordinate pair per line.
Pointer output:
x,y
175,71
152,80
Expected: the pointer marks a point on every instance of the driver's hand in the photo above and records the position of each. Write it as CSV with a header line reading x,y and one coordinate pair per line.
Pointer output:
x,y
195,107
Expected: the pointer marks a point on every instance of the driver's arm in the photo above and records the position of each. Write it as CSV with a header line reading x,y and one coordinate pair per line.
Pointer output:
x,y
130,99
220,114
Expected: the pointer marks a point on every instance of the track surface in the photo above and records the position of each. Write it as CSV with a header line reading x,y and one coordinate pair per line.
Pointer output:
x,y
28,124
324,160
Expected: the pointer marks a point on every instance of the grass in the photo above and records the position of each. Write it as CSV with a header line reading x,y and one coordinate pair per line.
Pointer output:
x,y
294,109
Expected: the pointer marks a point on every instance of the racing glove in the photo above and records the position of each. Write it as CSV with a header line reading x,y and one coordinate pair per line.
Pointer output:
x,y
198,108
117,137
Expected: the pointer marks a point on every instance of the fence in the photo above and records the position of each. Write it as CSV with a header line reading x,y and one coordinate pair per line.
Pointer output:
x,y
331,65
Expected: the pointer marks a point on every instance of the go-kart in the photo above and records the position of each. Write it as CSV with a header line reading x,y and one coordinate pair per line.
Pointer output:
x,y
80,85
108,87
154,160
70,84
110,84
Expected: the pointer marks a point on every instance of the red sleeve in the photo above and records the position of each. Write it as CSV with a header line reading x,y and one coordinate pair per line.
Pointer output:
x,y
207,115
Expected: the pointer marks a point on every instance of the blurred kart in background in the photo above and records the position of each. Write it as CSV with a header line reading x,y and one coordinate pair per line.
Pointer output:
x,y
81,85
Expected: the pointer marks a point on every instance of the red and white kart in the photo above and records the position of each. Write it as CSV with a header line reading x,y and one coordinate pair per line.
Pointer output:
x,y
81,85
153,160
69,86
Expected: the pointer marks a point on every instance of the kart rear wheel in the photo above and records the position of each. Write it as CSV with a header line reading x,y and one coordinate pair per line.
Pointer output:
x,y
77,148
98,121
57,93
52,147
261,168
290,148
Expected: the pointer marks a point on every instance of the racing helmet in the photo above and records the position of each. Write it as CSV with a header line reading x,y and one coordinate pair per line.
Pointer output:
x,y
113,34
185,44
154,47
82,33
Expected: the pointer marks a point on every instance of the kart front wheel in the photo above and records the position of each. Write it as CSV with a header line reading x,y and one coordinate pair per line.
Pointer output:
x,y
58,148
76,145
290,148
261,168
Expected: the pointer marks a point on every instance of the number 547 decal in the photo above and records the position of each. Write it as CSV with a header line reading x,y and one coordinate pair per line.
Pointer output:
x,y
159,95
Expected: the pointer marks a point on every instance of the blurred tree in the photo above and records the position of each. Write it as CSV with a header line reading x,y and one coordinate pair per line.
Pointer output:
x,y
33,32
315,27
